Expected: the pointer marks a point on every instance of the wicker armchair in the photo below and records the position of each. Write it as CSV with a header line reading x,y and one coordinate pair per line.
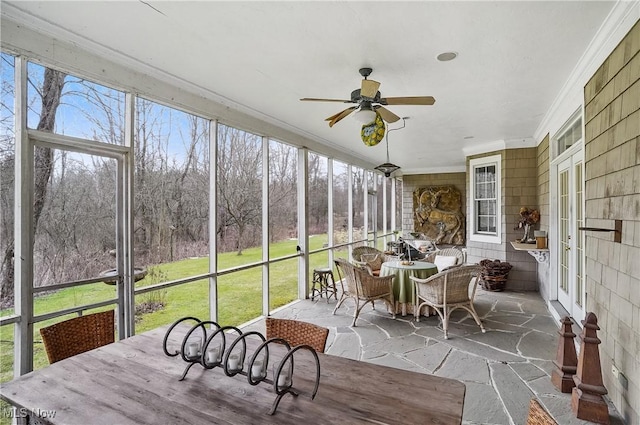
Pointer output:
x,y
296,333
447,252
362,286
371,258
77,335
447,291
539,416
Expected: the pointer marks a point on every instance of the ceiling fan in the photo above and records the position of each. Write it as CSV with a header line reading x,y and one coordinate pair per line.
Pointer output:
x,y
370,103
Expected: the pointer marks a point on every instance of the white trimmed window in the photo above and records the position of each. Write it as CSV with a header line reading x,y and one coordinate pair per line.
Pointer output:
x,y
484,182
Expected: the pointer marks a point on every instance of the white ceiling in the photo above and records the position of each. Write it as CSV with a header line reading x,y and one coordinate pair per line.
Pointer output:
x,y
514,58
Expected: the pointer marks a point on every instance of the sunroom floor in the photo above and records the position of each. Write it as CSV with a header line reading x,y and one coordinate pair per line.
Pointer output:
x,y
503,369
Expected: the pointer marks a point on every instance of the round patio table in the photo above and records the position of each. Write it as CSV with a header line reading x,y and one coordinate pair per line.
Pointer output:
x,y
403,292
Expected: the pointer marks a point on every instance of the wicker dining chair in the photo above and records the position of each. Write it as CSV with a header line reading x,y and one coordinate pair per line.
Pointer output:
x,y
446,252
77,335
447,291
297,333
371,258
363,287
539,416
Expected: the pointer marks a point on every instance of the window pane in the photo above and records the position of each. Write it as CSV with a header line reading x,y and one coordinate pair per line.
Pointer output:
x,y
340,191
7,190
86,109
6,356
164,306
387,207
318,198
171,215
398,195
283,280
283,195
358,203
239,195
240,297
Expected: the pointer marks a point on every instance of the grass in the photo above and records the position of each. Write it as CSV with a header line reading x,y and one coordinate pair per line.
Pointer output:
x,y
239,295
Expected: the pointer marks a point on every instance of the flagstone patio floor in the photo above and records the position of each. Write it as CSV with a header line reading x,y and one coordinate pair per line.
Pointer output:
x,y
503,369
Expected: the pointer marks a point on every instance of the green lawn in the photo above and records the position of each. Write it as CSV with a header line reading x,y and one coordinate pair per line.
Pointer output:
x,y
239,295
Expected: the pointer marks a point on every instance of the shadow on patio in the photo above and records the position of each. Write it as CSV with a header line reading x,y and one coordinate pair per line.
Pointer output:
x,y
502,369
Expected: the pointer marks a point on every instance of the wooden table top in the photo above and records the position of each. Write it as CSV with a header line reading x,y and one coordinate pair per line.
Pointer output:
x,y
134,382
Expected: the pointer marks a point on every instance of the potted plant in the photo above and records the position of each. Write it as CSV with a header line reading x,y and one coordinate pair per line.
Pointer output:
x,y
527,219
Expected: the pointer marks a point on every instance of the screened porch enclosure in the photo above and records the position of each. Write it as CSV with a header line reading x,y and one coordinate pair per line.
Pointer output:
x,y
131,203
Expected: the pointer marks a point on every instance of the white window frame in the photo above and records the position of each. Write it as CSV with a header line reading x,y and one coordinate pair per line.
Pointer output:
x,y
495,160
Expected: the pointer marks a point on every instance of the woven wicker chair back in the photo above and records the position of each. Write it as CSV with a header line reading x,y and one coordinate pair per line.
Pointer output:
x,y
348,271
449,252
77,335
359,283
359,250
297,333
539,416
454,281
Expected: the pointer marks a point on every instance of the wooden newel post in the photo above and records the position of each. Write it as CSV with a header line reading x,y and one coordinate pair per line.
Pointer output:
x,y
566,361
586,399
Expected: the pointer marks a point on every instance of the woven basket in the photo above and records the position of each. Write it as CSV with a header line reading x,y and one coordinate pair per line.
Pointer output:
x,y
494,274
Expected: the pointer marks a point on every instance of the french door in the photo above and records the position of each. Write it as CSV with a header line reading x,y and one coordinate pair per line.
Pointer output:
x,y
570,248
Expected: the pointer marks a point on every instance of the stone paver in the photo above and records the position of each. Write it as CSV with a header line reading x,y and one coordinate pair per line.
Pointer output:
x,y
502,369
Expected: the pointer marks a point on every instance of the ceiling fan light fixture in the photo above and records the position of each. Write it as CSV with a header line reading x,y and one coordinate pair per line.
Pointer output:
x,y
387,168
365,115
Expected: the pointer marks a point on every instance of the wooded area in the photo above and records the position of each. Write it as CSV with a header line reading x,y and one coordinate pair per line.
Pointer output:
x,y
75,193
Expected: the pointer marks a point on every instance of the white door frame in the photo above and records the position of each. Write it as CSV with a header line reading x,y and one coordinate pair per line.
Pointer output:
x,y
574,152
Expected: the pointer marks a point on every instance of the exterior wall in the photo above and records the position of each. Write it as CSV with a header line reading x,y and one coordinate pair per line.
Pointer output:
x,y
544,283
410,182
519,186
519,189
612,173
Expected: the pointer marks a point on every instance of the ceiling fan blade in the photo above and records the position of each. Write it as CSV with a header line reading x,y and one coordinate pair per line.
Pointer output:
x,y
411,100
340,115
386,114
369,88
314,99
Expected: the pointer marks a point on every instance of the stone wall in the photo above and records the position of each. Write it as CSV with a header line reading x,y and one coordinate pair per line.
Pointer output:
x,y
612,173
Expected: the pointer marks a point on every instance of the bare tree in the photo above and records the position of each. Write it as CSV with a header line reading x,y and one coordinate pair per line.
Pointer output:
x,y
239,183
50,94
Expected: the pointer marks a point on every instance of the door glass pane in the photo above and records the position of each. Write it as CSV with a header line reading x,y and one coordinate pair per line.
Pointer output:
x,y
564,230
283,223
579,237
75,222
283,198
